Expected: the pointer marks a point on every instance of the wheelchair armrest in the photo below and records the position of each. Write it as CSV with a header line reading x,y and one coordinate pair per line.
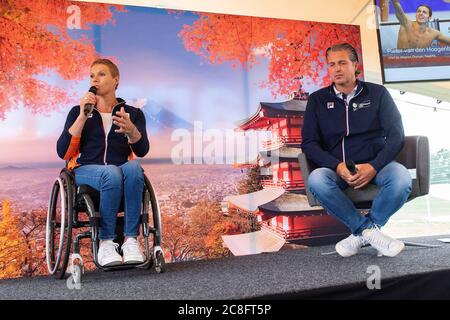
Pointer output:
x,y
416,155
306,167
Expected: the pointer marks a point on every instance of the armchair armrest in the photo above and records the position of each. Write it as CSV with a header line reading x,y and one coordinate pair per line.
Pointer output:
x,y
416,155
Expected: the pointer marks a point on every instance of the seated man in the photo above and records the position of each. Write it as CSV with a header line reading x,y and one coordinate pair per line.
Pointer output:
x,y
359,121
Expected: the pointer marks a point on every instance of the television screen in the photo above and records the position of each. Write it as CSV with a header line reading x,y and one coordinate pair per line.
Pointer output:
x,y
414,40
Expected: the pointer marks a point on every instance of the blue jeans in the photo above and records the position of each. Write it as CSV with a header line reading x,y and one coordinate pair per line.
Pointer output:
x,y
395,185
115,182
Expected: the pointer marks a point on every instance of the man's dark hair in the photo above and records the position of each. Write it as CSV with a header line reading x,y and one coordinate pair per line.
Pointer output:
x,y
344,47
426,6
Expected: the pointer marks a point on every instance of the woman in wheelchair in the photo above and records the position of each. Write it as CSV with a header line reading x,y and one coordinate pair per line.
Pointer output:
x,y
99,146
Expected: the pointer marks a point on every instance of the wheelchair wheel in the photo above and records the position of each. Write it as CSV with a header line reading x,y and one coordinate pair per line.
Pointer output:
x,y
58,236
151,204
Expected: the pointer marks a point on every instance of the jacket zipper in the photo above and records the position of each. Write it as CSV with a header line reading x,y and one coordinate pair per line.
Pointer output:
x,y
347,131
106,145
347,103
106,137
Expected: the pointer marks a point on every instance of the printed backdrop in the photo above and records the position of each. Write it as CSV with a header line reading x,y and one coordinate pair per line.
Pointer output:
x,y
193,74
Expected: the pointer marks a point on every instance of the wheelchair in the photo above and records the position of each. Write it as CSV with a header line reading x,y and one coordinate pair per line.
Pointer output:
x,y
66,204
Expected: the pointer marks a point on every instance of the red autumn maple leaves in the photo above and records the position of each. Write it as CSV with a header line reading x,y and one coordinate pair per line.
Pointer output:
x,y
295,49
35,41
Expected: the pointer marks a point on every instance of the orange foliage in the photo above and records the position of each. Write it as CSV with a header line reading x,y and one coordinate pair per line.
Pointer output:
x,y
22,243
32,227
213,241
13,247
198,233
176,239
295,49
35,40
206,227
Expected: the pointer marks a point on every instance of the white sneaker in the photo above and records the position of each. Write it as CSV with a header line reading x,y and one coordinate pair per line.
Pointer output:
x,y
132,252
108,255
385,245
350,245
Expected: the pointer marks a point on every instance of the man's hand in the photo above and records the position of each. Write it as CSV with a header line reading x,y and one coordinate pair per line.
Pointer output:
x,y
365,173
400,14
343,172
384,10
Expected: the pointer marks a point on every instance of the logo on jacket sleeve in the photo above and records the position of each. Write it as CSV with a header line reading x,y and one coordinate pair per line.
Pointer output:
x,y
330,105
362,105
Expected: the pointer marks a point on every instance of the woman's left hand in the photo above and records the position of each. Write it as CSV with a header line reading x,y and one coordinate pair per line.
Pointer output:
x,y
122,120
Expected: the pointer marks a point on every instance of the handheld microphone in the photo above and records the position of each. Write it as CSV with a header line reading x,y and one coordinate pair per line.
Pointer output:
x,y
351,166
88,106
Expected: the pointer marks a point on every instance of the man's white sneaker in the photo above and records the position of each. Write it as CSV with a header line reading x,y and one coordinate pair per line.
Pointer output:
x,y
132,252
108,255
350,245
385,245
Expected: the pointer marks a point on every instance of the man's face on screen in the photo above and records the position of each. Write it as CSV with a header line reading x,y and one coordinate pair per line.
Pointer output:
x,y
341,68
422,14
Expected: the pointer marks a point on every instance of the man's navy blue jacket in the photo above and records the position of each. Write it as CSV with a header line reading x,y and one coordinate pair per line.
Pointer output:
x,y
93,147
370,131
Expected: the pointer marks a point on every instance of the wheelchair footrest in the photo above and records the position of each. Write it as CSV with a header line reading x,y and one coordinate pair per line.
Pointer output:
x,y
125,266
